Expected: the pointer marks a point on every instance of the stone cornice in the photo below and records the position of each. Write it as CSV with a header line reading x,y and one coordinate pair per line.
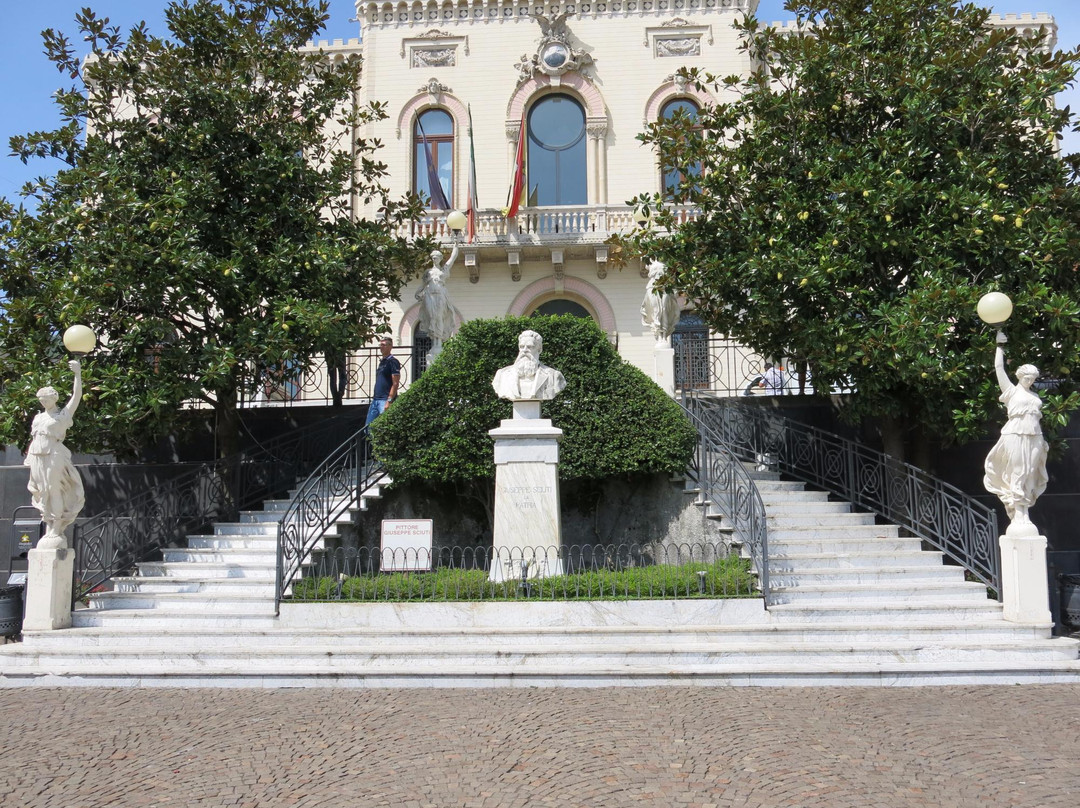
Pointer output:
x,y
438,13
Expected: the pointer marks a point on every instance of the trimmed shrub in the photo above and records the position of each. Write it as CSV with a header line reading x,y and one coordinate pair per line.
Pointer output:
x,y
615,420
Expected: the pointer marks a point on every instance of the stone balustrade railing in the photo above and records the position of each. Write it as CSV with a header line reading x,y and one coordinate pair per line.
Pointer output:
x,y
578,224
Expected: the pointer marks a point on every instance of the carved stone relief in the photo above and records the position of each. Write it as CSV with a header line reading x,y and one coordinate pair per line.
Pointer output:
x,y
434,57
686,46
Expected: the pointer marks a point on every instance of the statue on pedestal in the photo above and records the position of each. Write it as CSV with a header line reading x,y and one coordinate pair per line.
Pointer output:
x,y
56,489
528,379
1016,466
438,317
659,310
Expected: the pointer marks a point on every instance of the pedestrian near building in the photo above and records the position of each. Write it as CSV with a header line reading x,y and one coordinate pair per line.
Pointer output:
x,y
387,377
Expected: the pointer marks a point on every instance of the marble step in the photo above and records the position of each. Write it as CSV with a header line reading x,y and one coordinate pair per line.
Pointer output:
x,y
162,569
841,543
782,509
182,601
209,618
205,542
907,612
849,594
771,485
245,529
215,586
832,634
734,675
438,656
791,562
792,496
889,577
236,556
803,521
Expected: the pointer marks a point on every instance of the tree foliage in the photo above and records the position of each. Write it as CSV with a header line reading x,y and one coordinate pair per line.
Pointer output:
x,y
885,164
204,222
615,420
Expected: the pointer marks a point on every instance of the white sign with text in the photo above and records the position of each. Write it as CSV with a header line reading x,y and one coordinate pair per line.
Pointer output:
x,y
406,545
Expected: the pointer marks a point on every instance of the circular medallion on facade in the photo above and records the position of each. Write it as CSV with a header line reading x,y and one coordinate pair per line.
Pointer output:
x,y
555,55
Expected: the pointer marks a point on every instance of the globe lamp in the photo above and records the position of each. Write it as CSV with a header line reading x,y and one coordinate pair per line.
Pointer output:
x,y
994,308
80,340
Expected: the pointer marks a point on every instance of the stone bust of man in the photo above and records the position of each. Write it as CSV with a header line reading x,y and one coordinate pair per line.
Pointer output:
x,y
527,379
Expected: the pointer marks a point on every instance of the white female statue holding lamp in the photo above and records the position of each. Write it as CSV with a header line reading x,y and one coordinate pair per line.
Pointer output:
x,y
1016,474
56,491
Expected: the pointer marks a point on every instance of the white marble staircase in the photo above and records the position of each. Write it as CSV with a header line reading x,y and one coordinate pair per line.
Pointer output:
x,y
853,603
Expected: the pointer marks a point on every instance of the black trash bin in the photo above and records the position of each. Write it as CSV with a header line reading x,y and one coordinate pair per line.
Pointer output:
x,y
1070,600
11,610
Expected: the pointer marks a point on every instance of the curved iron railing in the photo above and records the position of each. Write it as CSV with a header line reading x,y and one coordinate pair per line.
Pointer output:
x,y
113,541
941,514
726,484
328,492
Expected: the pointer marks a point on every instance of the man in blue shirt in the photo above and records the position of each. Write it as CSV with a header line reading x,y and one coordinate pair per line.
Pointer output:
x,y
387,376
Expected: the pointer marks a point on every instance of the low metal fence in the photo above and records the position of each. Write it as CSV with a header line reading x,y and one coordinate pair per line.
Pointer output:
x,y
568,572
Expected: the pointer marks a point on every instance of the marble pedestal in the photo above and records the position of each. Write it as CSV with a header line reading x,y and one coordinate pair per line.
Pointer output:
x,y
664,367
48,589
528,525
1025,592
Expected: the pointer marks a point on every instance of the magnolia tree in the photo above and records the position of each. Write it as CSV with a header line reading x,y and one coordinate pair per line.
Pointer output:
x,y
205,221
885,163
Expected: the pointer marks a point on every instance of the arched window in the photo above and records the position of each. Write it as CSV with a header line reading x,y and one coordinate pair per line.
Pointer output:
x,y
556,162
562,306
676,177
433,156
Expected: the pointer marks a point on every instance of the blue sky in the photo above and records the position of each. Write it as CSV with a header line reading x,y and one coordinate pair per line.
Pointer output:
x,y
28,79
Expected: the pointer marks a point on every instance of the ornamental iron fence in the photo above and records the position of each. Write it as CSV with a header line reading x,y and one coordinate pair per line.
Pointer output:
x,y
726,485
568,572
114,541
327,494
940,514
328,381
725,368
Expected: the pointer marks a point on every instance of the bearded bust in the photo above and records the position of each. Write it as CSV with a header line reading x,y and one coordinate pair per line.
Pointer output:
x,y
528,379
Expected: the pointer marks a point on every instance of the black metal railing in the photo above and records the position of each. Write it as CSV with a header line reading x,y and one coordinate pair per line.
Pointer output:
x,y
112,542
725,368
725,484
321,382
940,514
329,491
568,572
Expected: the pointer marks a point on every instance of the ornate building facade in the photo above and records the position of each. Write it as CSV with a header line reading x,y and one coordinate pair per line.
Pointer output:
x,y
565,88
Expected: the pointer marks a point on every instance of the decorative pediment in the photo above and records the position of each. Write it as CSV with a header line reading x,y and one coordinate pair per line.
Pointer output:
x,y
678,38
434,48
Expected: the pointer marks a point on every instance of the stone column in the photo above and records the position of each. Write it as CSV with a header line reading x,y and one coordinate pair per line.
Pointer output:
x,y
528,527
1025,592
48,589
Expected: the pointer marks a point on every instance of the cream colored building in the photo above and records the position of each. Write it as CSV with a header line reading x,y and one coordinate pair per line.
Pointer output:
x,y
585,78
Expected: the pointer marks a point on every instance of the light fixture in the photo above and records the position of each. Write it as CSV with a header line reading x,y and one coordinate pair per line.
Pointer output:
x,y
642,215
80,340
456,220
994,308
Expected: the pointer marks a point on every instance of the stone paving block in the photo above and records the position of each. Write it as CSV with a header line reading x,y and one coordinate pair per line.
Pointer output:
x,y
692,747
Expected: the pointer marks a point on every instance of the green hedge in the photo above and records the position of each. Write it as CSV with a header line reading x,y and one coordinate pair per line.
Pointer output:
x,y
615,420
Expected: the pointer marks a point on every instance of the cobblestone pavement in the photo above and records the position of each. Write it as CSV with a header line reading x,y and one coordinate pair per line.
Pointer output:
x,y
681,747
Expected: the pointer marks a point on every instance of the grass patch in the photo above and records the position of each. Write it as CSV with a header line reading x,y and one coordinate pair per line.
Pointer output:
x,y
726,578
